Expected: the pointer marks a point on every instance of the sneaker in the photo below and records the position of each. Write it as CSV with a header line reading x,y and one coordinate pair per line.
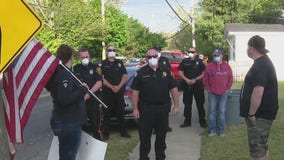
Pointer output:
x,y
222,135
211,134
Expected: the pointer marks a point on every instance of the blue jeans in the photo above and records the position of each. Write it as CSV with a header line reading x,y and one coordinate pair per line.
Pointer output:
x,y
217,110
69,137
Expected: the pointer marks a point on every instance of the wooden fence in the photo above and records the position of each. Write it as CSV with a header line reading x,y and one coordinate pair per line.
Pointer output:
x,y
240,69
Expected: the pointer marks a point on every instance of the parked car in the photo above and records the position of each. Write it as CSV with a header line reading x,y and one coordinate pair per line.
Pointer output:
x,y
134,61
131,71
124,59
175,58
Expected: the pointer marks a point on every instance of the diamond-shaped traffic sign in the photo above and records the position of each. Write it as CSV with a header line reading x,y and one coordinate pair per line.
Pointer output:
x,y
18,26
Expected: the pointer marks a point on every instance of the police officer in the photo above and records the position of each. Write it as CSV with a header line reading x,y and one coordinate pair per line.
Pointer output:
x,y
191,71
114,78
91,74
151,100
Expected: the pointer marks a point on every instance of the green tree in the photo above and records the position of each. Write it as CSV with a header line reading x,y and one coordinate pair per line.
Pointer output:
x,y
140,39
212,15
79,24
67,23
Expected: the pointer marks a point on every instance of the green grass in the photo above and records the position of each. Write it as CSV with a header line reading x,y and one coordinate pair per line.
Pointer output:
x,y
234,146
118,147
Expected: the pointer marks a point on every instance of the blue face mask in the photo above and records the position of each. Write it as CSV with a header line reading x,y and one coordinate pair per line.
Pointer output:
x,y
217,59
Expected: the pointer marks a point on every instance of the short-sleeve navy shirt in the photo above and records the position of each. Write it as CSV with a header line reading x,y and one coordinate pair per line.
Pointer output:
x,y
113,71
191,68
153,86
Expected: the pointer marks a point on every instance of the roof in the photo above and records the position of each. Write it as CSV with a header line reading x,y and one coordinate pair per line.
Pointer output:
x,y
239,27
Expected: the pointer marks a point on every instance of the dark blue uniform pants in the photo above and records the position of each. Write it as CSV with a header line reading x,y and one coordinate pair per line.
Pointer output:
x,y
116,104
198,92
153,117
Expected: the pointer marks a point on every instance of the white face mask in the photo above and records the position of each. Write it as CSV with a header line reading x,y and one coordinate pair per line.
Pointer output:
x,y
85,61
190,55
111,54
153,62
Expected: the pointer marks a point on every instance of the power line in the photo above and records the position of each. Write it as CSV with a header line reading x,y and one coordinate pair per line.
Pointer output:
x,y
180,6
175,11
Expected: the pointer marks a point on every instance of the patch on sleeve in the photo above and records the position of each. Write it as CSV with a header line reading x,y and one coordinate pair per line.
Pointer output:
x,y
99,70
164,74
65,83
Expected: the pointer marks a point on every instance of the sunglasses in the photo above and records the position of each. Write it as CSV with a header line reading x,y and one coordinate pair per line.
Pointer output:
x,y
155,56
111,50
191,52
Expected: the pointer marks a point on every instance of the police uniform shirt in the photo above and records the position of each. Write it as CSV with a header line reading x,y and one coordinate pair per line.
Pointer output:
x,y
164,62
153,86
113,71
89,74
191,68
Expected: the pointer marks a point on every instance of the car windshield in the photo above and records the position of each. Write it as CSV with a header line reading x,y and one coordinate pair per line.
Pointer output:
x,y
172,57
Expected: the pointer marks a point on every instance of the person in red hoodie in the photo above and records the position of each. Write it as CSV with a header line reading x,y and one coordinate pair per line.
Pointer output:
x,y
217,80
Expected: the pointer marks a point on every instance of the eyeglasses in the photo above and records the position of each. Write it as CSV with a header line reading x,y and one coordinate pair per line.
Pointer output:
x,y
155,56
111,50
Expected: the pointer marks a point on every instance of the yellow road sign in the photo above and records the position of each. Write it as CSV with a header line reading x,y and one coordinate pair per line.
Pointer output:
x,y
18,26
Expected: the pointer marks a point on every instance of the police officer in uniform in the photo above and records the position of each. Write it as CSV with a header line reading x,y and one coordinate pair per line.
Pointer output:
x,y
191,71
151,99
114,77
91,74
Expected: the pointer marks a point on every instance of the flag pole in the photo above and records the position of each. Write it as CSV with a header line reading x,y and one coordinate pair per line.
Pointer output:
x,y
78,80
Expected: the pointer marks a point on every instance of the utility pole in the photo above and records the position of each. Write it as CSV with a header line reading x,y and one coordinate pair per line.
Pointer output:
x,y
193,24
103,22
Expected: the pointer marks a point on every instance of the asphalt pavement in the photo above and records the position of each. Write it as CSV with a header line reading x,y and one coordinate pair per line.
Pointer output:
x,y
182,143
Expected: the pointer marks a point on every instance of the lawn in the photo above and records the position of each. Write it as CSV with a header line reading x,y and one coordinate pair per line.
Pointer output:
x,y
234,145
118,147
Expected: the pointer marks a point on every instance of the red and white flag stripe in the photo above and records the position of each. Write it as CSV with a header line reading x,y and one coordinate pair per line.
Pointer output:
x,y
23,82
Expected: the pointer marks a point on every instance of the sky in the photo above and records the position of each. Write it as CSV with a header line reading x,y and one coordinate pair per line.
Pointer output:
x,y
156,14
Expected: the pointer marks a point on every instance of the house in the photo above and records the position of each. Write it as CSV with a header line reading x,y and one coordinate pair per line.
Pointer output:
x,y
237,36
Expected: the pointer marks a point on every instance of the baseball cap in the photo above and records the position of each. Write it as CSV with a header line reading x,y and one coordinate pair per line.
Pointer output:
x,y
258,43
217,52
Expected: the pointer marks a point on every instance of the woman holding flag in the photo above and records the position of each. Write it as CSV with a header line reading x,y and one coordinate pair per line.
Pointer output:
x,y
68,105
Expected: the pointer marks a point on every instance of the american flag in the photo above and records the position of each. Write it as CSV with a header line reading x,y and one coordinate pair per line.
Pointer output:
x,y
23,82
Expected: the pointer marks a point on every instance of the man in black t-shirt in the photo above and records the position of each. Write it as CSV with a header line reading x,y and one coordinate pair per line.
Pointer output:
x,y
259,98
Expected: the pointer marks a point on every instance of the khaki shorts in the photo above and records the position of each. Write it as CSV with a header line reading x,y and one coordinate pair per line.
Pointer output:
x,y
258,133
